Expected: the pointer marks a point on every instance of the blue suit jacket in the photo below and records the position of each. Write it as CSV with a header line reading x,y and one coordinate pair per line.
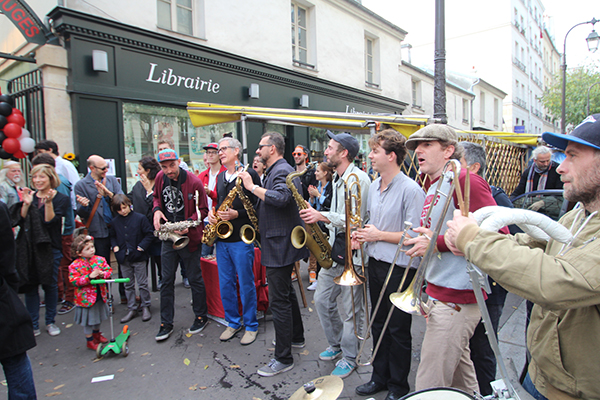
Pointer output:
x,y
278,216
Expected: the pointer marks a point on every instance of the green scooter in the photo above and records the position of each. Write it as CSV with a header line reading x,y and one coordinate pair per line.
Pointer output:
x,y
118,345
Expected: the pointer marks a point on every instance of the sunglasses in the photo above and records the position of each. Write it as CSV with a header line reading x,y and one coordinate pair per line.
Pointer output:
x,y
103,168
298,154
260,146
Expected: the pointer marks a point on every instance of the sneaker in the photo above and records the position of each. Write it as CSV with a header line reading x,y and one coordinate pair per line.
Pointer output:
x,y
198,325
297,345
329,354
343,368
66,308
228,333
249,338
312,276
312,286
164,332
42,303
274,367
186,283
37,332
294,277
52,329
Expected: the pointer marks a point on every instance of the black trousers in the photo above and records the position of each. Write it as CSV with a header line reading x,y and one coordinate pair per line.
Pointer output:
x,y
287,319
392,362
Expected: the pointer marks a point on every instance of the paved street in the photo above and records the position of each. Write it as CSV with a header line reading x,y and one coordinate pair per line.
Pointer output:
x,y
201,366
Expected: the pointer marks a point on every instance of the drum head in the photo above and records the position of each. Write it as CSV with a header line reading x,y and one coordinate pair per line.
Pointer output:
x,y
438,394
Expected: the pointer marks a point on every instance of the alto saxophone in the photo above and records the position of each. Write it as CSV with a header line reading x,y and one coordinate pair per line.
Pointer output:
x,y
317,243
221,229
168,229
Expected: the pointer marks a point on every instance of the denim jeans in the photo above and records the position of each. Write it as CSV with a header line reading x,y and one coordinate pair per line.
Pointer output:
x,y
235,261
530,388
19,377
32,298
287,319
170,258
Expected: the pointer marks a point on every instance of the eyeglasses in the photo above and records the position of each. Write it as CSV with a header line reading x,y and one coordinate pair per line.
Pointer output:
x,y
260,146
212,152
298,154
224,148
103,168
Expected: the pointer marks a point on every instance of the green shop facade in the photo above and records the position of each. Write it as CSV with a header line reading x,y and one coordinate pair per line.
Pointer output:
x,y
129,88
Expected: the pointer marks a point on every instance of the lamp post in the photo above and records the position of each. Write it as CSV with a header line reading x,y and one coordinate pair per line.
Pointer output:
x,y
592,41
588,97
439,59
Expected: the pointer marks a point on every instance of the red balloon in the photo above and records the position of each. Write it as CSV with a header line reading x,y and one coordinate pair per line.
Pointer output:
x,y
12,130
19,154
16,119
17,111
11,145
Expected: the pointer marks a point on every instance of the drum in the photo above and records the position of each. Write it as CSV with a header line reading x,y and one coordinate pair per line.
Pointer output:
x,y
442,393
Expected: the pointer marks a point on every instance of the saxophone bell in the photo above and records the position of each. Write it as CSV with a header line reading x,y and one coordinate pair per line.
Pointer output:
x,y
247,234
224,229
179,242
298,237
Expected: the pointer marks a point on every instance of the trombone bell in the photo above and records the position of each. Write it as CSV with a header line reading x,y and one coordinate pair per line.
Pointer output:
x,y
406,301
349,277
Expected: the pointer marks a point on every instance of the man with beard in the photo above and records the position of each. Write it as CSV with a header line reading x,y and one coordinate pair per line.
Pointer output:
x,y
563,283
277,217
540,175
334,302
174,194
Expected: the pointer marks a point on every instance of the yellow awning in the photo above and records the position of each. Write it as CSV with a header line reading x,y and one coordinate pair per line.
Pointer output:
x,y
203,114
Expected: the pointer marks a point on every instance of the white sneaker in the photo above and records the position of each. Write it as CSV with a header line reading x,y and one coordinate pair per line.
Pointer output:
x,y
312,286
53,330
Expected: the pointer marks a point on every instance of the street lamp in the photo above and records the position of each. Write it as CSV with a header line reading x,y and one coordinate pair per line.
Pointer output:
x,y
592,42
588,97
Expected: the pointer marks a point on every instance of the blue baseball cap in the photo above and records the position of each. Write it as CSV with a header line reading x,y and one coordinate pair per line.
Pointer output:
x,y
167,155
586,133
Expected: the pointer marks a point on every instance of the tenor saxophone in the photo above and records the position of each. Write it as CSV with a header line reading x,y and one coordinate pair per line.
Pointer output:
x,y
317,243
221,229
168,229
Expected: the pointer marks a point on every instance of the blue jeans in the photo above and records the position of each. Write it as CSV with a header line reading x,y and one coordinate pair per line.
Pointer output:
x,y
530,388
170,258
19,377
32,298
235,261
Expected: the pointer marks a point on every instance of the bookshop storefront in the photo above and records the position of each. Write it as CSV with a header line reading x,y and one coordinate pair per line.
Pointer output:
x,y
129,88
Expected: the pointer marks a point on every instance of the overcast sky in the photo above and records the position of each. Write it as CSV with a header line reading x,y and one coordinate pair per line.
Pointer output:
x,y
563,15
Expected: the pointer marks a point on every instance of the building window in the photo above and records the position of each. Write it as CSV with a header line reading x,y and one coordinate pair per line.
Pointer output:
x,y
482,107
299,34
176,15
416,93
371,62
465,111
496,113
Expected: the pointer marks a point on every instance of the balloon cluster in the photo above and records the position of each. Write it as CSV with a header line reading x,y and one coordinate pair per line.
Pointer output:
x,y
15,140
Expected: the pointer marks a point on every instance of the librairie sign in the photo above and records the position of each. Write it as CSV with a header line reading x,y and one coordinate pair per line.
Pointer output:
x,y
168,77
23,17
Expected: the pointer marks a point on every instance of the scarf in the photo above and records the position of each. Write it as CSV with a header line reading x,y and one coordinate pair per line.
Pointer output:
x,y
542,181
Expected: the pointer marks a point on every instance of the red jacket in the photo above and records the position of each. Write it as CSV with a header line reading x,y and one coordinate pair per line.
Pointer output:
x,y
205,178
79,271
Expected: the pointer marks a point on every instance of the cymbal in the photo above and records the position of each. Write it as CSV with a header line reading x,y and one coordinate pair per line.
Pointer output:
x,y
327,387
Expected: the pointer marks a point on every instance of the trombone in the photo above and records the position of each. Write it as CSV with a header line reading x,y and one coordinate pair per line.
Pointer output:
x,y
349,277
410,300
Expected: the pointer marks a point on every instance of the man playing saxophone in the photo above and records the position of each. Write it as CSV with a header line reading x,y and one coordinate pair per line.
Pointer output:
x,y
175,201
234,256
334,302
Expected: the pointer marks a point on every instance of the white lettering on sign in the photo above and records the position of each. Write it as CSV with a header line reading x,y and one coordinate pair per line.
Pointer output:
x,y
352,110
169,78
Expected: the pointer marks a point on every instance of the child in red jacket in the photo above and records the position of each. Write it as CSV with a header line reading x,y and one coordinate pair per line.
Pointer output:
x,y
91,300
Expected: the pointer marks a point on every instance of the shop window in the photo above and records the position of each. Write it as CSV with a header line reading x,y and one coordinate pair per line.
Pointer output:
x,y
176,15
145,125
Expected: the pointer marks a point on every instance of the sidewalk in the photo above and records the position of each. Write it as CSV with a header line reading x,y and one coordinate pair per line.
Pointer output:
x,y
201,366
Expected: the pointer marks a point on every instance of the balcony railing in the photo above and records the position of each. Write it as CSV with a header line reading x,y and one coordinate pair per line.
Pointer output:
x,y
519,64
520,103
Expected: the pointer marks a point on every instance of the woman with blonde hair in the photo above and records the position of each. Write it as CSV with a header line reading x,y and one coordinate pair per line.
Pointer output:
x,y
39,247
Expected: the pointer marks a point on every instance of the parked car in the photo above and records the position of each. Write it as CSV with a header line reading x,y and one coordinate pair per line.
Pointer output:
x,y
548,202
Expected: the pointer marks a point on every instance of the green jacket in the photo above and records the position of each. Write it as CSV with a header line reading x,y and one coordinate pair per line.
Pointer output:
x,y
564,333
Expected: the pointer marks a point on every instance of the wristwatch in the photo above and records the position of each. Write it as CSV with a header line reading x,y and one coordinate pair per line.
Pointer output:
x,y
254,188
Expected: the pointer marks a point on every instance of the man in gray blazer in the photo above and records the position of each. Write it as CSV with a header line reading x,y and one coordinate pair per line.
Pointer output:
x,y
278,215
